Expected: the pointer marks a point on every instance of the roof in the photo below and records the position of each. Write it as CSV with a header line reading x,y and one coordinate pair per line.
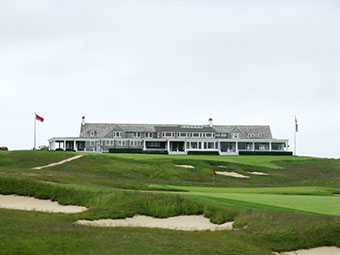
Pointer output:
x,y
246,131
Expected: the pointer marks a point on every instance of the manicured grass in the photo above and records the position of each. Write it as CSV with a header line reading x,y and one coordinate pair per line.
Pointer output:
x,y
261,161
282,211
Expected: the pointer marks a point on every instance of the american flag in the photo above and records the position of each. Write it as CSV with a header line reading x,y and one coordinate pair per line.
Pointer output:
x,y
296,125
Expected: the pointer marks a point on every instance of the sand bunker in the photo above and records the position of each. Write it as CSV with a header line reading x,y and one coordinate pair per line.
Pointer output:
x,y
185,166
59,163
314,251
34,204
232,174
257,173
186,223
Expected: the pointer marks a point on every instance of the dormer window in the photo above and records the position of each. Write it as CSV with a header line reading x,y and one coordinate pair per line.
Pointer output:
x,y
92,133
235,135
117,134
136,134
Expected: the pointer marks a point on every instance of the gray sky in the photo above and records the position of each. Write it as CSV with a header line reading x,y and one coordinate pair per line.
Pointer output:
x,y
239,62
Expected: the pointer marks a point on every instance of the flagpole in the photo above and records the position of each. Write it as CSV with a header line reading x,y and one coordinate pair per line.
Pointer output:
x,y
35,131
295,137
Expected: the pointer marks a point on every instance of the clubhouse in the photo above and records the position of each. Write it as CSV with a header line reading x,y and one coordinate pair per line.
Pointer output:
x,y
171,138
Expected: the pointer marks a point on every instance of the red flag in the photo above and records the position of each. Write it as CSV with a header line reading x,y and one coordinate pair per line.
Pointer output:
x,y
214,173
37,117
296,125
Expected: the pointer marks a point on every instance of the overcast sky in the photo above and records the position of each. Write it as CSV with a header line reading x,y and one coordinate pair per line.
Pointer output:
x,y
239,62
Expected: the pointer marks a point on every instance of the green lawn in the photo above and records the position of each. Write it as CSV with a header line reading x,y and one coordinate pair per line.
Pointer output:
x,y
293,207
261,161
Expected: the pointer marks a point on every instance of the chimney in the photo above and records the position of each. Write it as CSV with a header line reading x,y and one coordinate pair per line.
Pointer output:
x,y
210,122
83,120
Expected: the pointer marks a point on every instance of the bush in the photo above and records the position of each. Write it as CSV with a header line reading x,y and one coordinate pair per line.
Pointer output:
x,y
203,153
134,150
276,153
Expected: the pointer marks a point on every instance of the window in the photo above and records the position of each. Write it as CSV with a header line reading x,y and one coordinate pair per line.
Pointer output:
x,y
235,135
92,143
107,142
255,135
148,134
208,134
134,143
211,145
167,134
136,134
194,145
195,134
116,134
155,144
183,134
92,133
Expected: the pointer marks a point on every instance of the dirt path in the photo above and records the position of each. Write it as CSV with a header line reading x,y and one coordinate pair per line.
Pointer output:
x,y
186,223
34,204
59,163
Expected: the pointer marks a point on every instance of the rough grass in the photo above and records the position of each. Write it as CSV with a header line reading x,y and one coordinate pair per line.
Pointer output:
x,y
117,186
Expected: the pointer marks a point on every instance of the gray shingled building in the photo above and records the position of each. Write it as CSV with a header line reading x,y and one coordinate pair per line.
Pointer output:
x,y
174,139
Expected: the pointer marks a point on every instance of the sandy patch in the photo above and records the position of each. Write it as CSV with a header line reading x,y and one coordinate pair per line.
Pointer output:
x,y
186,223
59,163
222,166
185,166
257,173
34,204
232,174
314,251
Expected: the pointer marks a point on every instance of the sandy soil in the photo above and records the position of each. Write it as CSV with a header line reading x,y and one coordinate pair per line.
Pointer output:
x,y
185,166
257,173
232,174
33,204
59,163
186,223
315,251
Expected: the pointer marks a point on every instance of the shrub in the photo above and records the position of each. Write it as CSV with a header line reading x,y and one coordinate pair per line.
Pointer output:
x,y
203,153
135,150
276,153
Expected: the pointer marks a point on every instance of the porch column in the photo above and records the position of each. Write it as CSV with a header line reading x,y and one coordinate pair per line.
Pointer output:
x,y
75,145
236,147
270,146
253,146
168,145
144,145
64,145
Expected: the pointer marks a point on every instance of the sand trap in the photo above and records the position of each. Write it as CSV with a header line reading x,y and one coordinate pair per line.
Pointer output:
x,y
257,173
34,204
232,174
186,223
314,251
185,166
59,163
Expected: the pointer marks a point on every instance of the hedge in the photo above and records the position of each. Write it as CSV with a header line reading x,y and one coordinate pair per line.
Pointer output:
x,y
276,153
202,152
135,150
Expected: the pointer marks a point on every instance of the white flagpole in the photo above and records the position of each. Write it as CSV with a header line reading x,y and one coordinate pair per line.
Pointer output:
x,y
35,131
